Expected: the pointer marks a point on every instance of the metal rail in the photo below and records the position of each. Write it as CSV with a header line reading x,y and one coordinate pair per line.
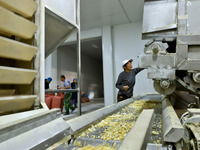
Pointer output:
x,y
78,55
61,91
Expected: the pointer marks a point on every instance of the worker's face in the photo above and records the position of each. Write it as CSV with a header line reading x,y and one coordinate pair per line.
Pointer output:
x,y
75,81
49,81
128,66
62,79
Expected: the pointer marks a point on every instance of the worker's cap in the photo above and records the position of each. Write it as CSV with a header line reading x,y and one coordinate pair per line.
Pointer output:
x,y
49,79
124,62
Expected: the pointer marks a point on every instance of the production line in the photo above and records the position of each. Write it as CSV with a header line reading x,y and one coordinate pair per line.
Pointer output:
x,y
138,119
143,122
172,60
146,122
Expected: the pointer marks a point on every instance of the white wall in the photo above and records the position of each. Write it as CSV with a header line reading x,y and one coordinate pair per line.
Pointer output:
x,y
66,63
127,44
48,66
92,73
51,69
107,54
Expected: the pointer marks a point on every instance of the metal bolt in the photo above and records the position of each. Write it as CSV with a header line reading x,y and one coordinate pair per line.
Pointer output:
x,y
196,77
155,48
165,84
169,147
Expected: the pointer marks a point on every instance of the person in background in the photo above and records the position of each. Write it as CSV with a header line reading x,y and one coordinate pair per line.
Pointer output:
x,y
74,85
67,95
84,97
126,80
47,82
83,94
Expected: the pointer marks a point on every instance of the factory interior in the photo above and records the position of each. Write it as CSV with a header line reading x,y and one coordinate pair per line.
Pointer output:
x,y
99,75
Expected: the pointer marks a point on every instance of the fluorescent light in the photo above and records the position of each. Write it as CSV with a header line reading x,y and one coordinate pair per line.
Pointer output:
x,y
95,46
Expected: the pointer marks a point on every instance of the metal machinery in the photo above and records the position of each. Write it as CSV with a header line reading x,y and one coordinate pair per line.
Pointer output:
x,y
172,56
172,59
30,30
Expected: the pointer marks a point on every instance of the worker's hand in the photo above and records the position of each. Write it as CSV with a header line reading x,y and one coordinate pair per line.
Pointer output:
x,y
126,88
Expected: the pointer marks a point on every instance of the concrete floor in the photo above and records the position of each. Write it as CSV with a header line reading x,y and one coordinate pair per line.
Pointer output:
x,y
93,105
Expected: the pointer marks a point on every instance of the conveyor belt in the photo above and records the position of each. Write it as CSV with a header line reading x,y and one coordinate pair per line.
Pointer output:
x,y
156,131
112,130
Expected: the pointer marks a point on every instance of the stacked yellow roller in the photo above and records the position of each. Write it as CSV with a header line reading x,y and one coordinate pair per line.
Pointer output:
x,y
17,53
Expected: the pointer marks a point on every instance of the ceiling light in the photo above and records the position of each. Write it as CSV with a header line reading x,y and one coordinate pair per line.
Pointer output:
x,y
95,46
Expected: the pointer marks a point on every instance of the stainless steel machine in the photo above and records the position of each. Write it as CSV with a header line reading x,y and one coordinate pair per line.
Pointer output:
x,y
172,56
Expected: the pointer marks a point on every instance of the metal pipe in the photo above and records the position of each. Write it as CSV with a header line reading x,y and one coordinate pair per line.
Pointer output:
x,y
61,91
40,58
78,56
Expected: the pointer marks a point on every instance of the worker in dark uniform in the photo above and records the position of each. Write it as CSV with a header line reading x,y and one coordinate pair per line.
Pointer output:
x,y
126,80
74,85
47,82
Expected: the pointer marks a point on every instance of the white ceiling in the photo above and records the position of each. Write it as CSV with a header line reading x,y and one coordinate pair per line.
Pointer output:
x,y
98,13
